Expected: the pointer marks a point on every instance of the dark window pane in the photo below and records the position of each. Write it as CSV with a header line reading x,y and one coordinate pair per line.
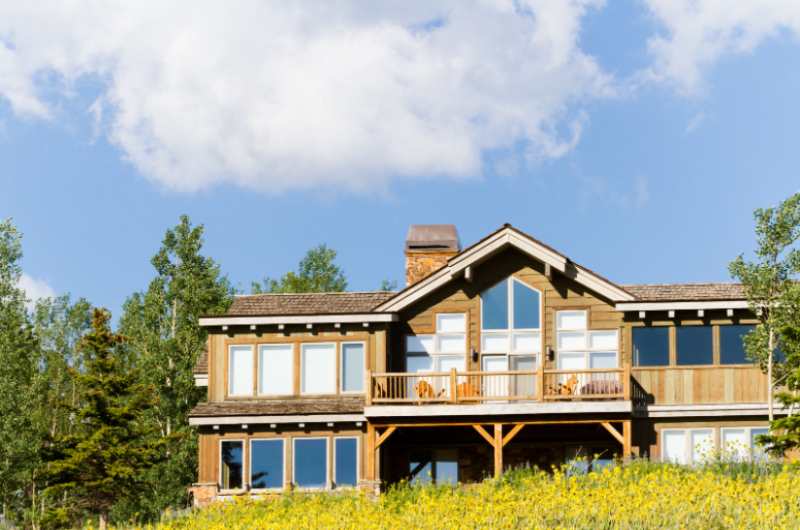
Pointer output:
x,y
231,476
421,469
439,466
526,307
651,346
494,301
346,462
310,463
694,345
266,464
731,345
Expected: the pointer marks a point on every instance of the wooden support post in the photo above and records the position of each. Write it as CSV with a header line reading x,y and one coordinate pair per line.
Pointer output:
x,y
371,450
368,383
627,448
540,378
383,437
453,388
498,450
626,380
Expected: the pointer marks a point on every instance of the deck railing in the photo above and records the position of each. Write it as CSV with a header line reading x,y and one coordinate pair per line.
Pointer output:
x,y
488,387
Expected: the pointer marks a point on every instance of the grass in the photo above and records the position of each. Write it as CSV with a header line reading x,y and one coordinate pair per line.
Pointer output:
x,y
638,495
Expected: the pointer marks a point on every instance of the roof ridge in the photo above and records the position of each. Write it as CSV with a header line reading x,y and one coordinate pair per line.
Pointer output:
x,y
242,295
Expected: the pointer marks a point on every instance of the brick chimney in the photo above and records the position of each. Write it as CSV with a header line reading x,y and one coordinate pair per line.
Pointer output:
x,y
428,247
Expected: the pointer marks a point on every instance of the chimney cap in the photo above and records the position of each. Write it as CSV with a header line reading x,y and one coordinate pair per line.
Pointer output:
x,y
433,238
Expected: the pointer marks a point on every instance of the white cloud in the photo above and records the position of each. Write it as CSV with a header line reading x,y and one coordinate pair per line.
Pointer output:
x,y
35,289
276,96
700,32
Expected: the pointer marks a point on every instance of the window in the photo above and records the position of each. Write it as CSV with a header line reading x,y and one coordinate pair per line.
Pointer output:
x,y
651,346
440,467
352,375
311,462
318,368
578,348
580,459
240,371
740,443
686,446
266,464
231,456
511,318
731,345
441,351
345,454
276,369
694,345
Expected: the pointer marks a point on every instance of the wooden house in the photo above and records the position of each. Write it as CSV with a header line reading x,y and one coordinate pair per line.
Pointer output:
x,y
503,354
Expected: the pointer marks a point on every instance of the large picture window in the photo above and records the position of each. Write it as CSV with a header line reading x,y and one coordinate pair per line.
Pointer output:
x,y
276,369
231,464
739,443
694,345
311,462
731,344
345,464
240,371
579,348
687,446
266,464
651,346
318,368
442,350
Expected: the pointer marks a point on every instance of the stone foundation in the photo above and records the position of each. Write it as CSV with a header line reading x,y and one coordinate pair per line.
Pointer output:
x,y
203,493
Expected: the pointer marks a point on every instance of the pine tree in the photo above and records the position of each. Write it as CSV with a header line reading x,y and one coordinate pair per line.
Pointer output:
x,y
166,342
102,459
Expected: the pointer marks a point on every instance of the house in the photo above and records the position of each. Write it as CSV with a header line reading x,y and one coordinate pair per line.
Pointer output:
x,y
505,353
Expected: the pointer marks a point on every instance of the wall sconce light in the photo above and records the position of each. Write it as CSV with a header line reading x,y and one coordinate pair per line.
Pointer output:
x,y
474,355
551,355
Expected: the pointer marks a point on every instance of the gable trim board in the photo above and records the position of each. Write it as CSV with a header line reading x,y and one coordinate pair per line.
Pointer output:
x,y
503,238
677,306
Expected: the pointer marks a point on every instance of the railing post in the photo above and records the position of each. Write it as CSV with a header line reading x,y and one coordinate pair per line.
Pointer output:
x,y
540,381
368,400
626,382
453,389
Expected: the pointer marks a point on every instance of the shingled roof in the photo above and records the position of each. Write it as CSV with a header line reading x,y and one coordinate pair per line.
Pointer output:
x,y
307,303
341,405
686,292
202,364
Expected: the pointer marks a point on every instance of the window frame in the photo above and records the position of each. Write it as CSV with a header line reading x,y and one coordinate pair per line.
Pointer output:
x,y
511,331
587,350
282,487
243,443
729,326
688,448
326,439
748,430
333,483
340,352
260,382
669,340
336,349
437,354
254,371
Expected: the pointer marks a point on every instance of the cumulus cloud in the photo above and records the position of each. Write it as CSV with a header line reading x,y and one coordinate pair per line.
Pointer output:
x,y
293,95
35,289
699,32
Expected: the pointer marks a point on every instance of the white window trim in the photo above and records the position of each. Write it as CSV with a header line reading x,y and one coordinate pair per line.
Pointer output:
x,y
437,354
748,434
341,366
244,477
327,439
511,330
336,350
259,382
358,461
230,371
250,464
688,449
587,350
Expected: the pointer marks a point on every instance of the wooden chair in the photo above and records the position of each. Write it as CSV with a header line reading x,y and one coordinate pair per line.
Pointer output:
x,y
425,390
466,389
570,386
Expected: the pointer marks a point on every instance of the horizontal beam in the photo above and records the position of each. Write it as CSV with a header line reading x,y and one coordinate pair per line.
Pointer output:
x,y
281,420
679,306
359,318
474,425
498,409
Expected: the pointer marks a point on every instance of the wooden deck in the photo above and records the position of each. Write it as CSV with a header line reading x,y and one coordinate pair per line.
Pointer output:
x,y
472,387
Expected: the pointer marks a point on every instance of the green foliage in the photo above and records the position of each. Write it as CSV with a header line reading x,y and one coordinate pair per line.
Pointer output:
x,y
165,342
100,460
316,273
388,285
773,293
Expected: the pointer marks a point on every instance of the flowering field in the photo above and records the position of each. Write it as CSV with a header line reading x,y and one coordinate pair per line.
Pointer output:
x,y
638,495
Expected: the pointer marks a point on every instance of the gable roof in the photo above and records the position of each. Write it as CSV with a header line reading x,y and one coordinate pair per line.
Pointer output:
x,y
505,237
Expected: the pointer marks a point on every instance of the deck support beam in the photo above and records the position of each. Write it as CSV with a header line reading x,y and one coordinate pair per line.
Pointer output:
x,y
512,433
627,448
498,450
371,450
383,437
613,431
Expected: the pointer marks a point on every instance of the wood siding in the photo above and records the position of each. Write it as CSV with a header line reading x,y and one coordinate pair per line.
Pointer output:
x,y
703,385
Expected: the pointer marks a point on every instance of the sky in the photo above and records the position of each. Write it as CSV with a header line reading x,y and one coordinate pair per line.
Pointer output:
x,y
637,137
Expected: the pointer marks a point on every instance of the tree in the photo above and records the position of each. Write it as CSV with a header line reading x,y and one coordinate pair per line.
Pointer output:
x,y
772,290
388,285
166,342
101,461
316,273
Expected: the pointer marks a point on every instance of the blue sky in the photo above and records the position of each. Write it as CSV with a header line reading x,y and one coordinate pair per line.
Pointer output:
x,y
682,133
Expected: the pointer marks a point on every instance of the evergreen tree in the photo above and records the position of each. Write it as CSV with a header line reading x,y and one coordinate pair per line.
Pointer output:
x,y
101,460
166,341
316,273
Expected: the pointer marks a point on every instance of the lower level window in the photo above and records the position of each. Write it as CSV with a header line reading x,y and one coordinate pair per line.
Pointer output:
x,y
266,464
345,465
232,452
740,443
311,462
440,467
686,446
